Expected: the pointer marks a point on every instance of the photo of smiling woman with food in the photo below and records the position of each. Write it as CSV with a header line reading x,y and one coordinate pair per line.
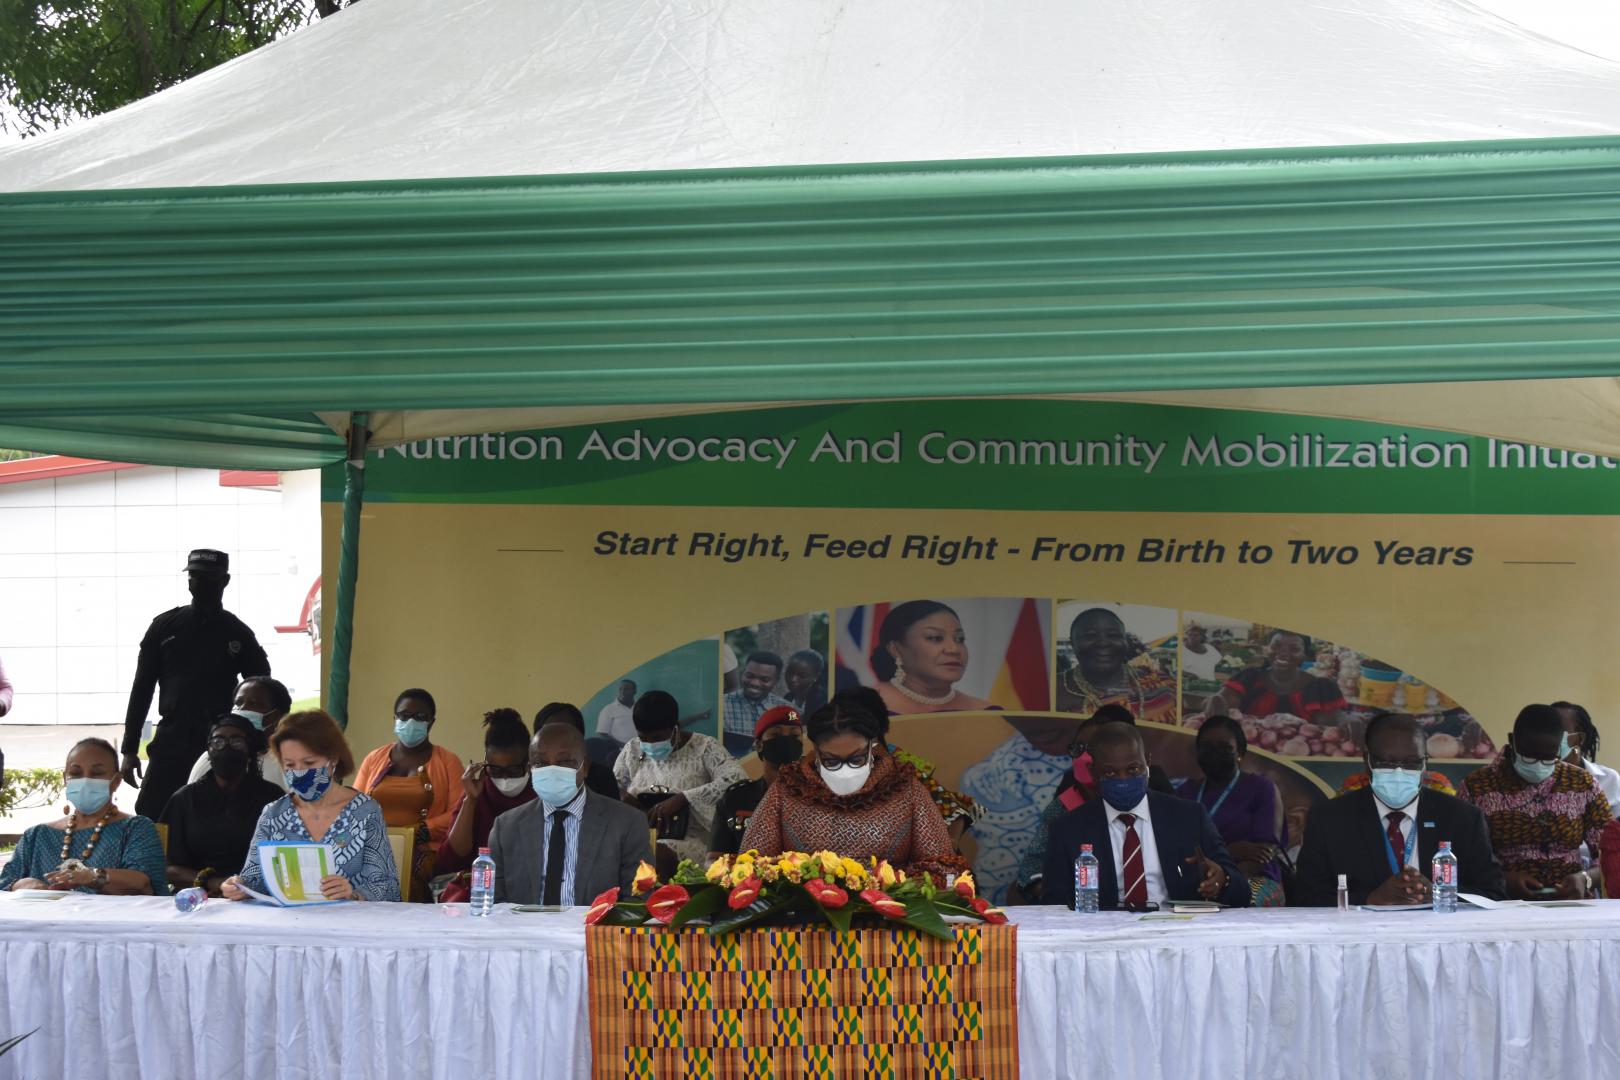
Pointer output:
x,y
954,655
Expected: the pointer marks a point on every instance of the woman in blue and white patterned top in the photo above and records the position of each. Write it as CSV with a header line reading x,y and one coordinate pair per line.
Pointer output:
x,y
318,809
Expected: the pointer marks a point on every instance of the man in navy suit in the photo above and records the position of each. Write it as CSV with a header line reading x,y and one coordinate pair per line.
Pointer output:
x,y
1382,839
1160,847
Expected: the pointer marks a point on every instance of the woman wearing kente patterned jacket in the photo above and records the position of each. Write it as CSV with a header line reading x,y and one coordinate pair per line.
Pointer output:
x,y
852,797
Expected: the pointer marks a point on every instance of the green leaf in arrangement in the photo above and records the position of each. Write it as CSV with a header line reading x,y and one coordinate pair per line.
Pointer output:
x,y
704,902
759,909
923,916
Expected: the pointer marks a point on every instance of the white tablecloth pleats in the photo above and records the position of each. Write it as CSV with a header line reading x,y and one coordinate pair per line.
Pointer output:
x,y
122,988
1516,994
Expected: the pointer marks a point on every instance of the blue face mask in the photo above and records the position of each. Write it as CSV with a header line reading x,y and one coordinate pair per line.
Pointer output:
x,y
555,784
1537,772
88,795
1124,793
410,732
1396,787
658,751
254,718
309,784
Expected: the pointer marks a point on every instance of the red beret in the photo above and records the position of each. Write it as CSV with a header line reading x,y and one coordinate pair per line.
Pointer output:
x,y
782,714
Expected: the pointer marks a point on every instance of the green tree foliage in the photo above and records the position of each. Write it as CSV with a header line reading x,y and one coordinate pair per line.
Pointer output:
x,y
73,58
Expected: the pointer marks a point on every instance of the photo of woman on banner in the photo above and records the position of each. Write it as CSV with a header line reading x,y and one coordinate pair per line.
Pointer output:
x,y
938,656
1108,662
1281,685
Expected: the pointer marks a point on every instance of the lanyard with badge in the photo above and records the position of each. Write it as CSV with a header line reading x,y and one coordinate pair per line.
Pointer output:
x,y
1217,807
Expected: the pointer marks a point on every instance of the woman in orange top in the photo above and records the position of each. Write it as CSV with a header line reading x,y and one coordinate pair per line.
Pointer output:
x,y
415,783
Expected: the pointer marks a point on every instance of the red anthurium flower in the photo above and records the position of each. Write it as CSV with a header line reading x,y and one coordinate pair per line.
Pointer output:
x,y
665,902
993,916
601,906
744,894
826,893
884,904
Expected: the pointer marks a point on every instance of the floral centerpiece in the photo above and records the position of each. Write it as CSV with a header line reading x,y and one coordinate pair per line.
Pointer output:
x,y
732,893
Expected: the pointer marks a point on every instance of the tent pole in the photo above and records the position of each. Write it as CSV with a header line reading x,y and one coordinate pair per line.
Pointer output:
x,y
354,496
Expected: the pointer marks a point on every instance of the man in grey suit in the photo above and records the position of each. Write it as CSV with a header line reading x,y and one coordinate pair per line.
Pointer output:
x,y
570,845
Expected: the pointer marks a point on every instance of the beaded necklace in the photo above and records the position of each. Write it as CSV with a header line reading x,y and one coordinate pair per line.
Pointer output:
x,y
899,683
67,838
1091,698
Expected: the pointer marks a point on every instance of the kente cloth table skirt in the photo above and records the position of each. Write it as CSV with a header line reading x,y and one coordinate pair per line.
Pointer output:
x,y
803,1003
126,988
130,988
1518,994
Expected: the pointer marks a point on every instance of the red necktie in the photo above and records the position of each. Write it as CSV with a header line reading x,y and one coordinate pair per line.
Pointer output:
x,y
1135,891
1397,842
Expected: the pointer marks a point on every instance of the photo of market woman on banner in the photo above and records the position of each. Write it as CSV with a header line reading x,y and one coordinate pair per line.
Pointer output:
x,y
1303,697
951,655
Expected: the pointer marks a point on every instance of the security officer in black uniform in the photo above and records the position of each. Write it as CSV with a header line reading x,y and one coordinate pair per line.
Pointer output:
x,y
194,655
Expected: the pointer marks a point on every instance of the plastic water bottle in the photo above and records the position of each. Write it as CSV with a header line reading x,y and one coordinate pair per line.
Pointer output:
x,y
188,900
1443,874
1085,881
483,883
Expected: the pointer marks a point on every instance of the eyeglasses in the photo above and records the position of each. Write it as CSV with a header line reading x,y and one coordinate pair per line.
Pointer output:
x,y
413,716
227,742
506,772
1410,764
854,761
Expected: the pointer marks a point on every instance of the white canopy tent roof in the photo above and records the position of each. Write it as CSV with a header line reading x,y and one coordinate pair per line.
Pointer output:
x,y
408,89
404,89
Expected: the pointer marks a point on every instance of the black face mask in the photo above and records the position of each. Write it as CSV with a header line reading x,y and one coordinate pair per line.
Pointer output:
x,y
228,764
1220,761
781,750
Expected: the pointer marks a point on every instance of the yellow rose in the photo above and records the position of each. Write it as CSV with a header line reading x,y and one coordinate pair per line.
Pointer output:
x,y
741,873
645,881
885,874
718,869
853,871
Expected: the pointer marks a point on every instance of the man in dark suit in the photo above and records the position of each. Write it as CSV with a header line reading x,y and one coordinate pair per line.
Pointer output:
x,y
571,844
1383,838
1160,847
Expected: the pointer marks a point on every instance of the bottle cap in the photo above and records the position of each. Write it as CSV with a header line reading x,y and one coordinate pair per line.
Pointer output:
x,y
1344,881
1445,845
483,851
1085,849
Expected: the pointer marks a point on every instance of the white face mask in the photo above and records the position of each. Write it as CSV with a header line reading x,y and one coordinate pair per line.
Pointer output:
x,y
510,786
845,781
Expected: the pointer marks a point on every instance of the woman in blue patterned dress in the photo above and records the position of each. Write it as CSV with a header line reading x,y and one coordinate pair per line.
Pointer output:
x,y
318,809
97,847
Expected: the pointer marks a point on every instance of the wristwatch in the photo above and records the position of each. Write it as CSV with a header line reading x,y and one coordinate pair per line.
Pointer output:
x,y
100,881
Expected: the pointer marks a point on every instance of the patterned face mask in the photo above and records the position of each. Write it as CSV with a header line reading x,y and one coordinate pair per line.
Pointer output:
x,y
309,784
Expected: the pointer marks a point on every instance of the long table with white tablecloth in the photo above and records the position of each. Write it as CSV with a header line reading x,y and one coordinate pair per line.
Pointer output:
x,y
127,988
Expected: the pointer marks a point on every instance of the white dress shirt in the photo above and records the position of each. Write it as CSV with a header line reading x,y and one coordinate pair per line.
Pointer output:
x,y
576,812
1408,826
616,720
1156,893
